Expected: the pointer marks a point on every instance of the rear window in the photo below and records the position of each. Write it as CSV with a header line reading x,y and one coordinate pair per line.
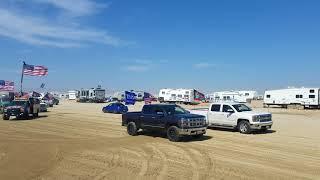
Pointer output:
x,y
311,90
216,108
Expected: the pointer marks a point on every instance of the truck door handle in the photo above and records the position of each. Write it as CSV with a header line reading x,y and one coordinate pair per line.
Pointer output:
x,y
142,116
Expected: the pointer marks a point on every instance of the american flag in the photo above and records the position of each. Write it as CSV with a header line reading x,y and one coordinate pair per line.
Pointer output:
x,y
34,70
6,85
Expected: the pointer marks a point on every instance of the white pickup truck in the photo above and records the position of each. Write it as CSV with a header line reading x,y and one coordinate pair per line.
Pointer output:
x,y
235,116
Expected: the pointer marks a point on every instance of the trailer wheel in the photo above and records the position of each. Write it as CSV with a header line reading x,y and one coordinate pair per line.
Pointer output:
x,y
244,127
132,129
173,134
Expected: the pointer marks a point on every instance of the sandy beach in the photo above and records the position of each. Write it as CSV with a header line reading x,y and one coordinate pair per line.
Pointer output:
x,y
78,141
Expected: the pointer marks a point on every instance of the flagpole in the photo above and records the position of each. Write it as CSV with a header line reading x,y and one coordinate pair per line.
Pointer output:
x,y
22,78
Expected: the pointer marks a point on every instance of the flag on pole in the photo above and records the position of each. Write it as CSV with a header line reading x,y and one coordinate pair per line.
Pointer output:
x,y
130,98
147,98
32,70
6,85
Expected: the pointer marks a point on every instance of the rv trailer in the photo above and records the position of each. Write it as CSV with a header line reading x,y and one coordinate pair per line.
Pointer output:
x,y
120,96
304,97
96,95
185,96
237,96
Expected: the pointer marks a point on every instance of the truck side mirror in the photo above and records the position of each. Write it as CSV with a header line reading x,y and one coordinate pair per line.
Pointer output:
x,y
230,111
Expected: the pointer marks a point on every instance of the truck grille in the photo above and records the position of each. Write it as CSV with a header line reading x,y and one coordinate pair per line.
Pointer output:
x,y
196,122
265,118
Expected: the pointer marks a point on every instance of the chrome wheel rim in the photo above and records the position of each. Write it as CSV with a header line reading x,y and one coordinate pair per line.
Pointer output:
x,y
243,128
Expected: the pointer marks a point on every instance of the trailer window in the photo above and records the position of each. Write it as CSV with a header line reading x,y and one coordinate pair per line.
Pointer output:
x,y
299,96
268,96
246,94
312,96
163,92
216,108
311,90
173,95
180,95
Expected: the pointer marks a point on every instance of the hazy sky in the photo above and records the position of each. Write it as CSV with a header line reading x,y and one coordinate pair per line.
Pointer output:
x,y
147,45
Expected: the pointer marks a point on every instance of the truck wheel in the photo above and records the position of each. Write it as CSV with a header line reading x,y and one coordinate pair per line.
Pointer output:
x,y
244,127
173,134
35,115
4,117
132,129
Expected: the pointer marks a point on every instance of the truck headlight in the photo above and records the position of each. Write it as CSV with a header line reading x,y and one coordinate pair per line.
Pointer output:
x,y
255,119
184,122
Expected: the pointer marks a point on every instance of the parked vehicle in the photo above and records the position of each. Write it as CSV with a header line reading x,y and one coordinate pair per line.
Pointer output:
x,y
171,118
116,108
235,116
72,95
55,101
238,96
185,96
22,108
4,101
43,107
140,96
304,97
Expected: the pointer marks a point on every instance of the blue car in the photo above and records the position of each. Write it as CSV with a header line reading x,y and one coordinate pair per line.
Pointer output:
x,y
116,108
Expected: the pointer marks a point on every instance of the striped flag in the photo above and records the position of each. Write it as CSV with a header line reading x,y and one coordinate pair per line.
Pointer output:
x,y
147,98
32,70
6,85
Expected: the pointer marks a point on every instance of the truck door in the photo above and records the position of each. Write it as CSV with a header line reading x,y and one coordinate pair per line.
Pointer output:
x,y
146,116
215,116
229,118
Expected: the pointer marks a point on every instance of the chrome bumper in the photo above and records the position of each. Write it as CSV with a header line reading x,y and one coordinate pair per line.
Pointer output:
x,y
193,131
258,126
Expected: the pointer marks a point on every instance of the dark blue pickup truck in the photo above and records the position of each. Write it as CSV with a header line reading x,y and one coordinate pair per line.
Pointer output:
x,y
176,121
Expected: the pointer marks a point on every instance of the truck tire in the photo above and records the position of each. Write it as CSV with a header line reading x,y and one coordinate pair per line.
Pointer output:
x,y
244,127
132,129
4,117
35,115
173,134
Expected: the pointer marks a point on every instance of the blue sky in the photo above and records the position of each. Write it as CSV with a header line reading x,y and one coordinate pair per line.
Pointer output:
x,y
147,45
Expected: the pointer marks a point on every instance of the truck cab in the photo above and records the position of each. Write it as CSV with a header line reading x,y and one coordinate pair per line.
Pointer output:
x,y
173,119
235,116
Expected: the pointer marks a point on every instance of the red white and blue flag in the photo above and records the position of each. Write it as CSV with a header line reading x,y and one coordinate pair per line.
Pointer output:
x,y
32,70
6,85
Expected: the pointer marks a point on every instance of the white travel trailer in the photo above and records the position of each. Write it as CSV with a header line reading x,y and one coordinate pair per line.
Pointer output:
x,y
238,96
120,96
92,95
72,95
306,97
186,96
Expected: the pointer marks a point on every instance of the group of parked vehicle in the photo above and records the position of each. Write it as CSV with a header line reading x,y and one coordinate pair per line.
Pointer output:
x,y
178,122
26,106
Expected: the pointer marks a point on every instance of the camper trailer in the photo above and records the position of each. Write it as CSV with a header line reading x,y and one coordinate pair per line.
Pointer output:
x,y
237,96
96,95
305,97
72,95
119,96
186,96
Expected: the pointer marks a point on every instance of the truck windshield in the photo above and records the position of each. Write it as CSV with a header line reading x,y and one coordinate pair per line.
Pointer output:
x,y
241,107
175,110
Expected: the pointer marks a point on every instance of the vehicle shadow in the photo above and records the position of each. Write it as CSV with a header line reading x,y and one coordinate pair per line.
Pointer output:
x,y
270,131
159,134
30,118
